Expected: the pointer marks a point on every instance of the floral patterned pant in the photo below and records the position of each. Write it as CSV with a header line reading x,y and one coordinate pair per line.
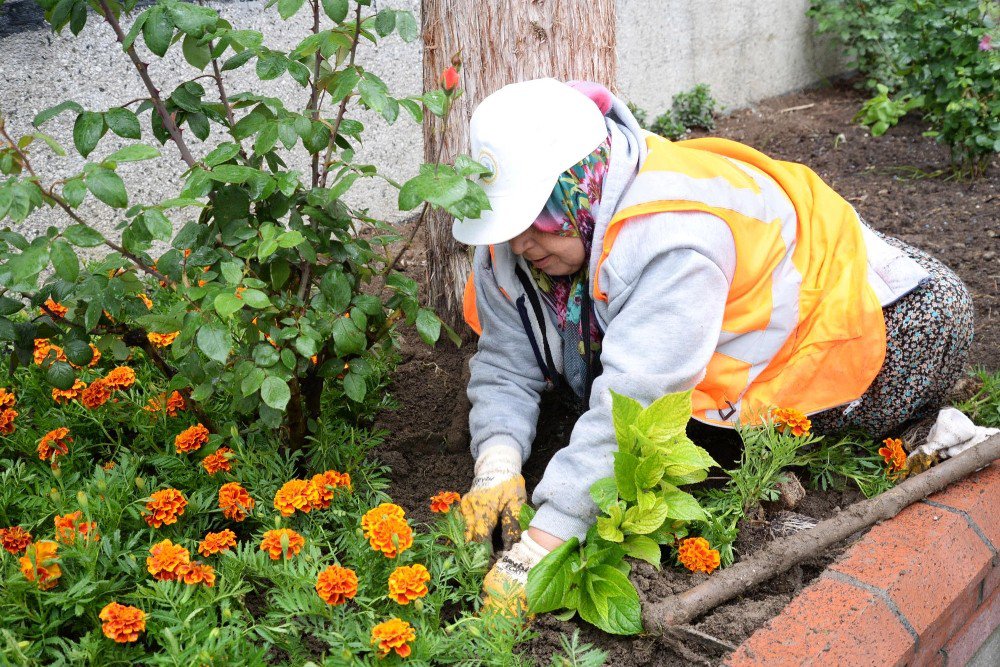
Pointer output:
x,y
929,333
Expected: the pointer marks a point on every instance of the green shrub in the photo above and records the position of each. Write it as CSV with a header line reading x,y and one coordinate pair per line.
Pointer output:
x,y
691,109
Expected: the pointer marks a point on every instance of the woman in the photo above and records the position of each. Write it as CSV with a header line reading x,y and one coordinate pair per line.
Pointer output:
x,y
615,259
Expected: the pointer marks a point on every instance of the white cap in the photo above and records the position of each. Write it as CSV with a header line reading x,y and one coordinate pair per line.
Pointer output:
x,y
528,134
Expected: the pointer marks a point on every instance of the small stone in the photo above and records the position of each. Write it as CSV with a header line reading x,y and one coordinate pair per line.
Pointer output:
x,y
791,492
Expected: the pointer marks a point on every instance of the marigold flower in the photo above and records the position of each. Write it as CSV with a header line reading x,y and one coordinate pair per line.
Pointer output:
x,y
122,623
393,635
191,439
175,403
40,563
166,560
96,395
325,484
109,465
336,585
294,495
234,501
44,349
894,454
196,573
789,420
7,421
64,396
441,503
121,377
408,582
283,541
380,512
388,533
68,526
142,296
215,543
14,539
7,398
218,461
697,555
162,340
55,307
54,443
164,507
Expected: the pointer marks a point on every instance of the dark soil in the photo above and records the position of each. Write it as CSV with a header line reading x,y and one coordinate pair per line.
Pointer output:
x,y
890,181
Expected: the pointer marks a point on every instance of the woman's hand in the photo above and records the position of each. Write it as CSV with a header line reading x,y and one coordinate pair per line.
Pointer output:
x,y
496,495
505,584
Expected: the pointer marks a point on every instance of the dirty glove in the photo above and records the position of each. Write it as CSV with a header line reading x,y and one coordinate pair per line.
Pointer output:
x,y
504,585
952,434
497,494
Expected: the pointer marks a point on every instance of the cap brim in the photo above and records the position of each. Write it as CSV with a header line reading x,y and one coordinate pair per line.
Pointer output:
x,y
511,214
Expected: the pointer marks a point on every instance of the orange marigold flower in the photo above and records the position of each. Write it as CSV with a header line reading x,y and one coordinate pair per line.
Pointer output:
x,y
792,421
14,539
7,421
122,623
68,526
215,543
894,454
378,513
44,349
408,582
175,403
109,465
40,563
63,396
234,501
293,495
390,535
121,377
54,443
442,502
164,507
146,300
57,308
336,585
697,555
166,560
218,461
282,541
325,484
96,395
393,635
196,573
191,439
7,398
162,340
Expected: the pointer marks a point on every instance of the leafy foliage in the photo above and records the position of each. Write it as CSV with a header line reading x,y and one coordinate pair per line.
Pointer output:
x,y
694,108
983,407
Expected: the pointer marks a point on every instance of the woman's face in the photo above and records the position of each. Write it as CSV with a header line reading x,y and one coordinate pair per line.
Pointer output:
x,y
553,254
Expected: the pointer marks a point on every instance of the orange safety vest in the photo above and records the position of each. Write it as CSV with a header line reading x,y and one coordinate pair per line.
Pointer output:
x,y
802,327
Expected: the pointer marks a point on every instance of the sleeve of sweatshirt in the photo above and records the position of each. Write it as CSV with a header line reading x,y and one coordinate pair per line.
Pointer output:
x,y
666,297
505,381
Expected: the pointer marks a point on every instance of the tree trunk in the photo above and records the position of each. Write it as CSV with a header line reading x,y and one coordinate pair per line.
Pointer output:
x,y
501,41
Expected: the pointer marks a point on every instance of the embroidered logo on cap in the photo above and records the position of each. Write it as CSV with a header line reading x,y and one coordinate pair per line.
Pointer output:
x,y
488,160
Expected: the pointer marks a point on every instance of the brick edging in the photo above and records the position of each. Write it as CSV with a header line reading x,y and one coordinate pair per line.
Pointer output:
x,y
921,589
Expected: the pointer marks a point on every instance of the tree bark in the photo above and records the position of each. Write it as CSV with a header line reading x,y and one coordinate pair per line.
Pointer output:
x,y
501,42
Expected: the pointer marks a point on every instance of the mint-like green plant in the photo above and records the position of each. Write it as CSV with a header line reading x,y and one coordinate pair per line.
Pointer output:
x,y
641,508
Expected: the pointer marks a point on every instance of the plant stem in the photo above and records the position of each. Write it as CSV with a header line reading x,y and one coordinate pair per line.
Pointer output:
x,y
343,102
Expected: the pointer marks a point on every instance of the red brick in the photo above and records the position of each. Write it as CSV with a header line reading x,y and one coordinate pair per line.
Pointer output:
x,y
829,623
979,496
950,622
992,579
967,640
925,558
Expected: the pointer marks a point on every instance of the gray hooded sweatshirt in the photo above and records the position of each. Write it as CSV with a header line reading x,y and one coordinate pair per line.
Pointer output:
x,y
666,280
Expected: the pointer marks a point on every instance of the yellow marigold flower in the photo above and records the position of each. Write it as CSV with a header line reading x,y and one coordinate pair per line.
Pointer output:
x,y
166,560
218,461
697,555
196,573
293,495
325,485
380,512
40,563
393,635
122,623
336,585
55,307
68,526
121,377
162,340
164,507
146,300
14,539
283,541
442,502
7,421
44,349
234,501
96,395
7,398
390,535
191,439
408,582
792,421
54,443
64,396
894,454
215,543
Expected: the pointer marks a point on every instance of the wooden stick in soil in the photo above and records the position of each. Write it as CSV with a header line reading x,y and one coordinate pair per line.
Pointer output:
x,y
782,554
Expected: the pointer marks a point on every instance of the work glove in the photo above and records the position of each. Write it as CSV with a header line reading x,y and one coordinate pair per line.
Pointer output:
x,y
952,434
497,494
505,584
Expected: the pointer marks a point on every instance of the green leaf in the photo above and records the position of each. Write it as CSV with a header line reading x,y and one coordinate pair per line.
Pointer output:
x,y
608,527
289,239
604,492
609,601
649,472
406,25
50,113
551,579
158,30
348,339
107,186
133,32
265,355
266,139
159,226
64,260
232,173
74,191
355,387
625,465
255,298
192,19
226,304
336,288
684,457
133,153
428,326
222,153
413,108
683,506
78,352
442,189
123,122
643,548
525,516
336,9
239,60
645,517
624,411
275,393
87,131
215,341
271,65
60,375
385,22
374,93
665,418
436,102
198,55
287,8
252,381
83,236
